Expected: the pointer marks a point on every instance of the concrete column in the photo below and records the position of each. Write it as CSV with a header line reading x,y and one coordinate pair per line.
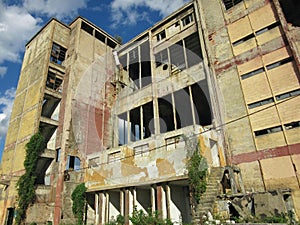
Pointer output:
x,y
102,208
161,202
168,200
96,208
152,190
122,202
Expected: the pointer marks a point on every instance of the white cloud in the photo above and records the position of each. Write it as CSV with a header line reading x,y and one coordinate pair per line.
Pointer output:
x,y
126,11
16,27
65,9
3,71
6,103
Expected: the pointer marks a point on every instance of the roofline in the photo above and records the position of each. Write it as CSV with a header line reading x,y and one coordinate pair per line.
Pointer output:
x,y
89,22
52,19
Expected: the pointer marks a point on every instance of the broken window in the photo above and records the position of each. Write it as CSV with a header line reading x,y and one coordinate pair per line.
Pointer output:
x,y
73,163
193,49
166,116
268,131
187,20
145,64
292,125
123,129
177,55
161,57
54,80
291,9
160,36
201,103
183,108
230,3
135,124
58,54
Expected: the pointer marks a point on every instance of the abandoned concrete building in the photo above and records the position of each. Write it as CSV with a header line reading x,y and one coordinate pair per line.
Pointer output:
x,y
123,119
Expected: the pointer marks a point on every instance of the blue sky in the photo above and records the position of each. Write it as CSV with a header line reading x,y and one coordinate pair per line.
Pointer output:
x,y
21,19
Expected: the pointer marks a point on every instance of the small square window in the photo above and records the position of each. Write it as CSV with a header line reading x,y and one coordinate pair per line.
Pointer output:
x,y
187,20
160,36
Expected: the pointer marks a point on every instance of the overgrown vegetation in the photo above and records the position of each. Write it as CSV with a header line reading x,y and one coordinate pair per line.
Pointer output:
x,y
26,183
197,173
139,217
79,202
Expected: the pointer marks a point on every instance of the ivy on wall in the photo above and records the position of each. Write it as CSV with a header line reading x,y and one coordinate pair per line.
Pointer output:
x,y
26,183
79,202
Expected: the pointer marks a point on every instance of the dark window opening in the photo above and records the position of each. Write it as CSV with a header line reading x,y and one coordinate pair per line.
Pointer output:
x,y
57,158
134,69
166,116
270,27
87,28
288,94
123,61
292,125
99,36
111,43
230,3
193,49
10,216
145,64
291,9
122,129
49,106
183,108
260,103
58,54
242,40
161,58
73,163
187,20
160,36
279,63
135,124
201,103
148,120
252,73
268,131
54,82
177,56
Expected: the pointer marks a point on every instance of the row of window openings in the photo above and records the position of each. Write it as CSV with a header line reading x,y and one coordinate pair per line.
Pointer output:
x,y
184,21
268,67
98,35
275,129
271,100
184,54
175,111
257,33
58,54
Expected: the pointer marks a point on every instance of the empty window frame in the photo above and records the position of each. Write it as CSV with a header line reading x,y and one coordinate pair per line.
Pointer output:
x,y
187,19
160,36
54,81
122,129
166,114
161,58
201,103
193,49
177,55
87,28
230,3
58,54
183,107
145,64
73,163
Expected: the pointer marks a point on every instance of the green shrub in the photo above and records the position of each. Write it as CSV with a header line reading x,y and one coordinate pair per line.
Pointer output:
x,y
79,202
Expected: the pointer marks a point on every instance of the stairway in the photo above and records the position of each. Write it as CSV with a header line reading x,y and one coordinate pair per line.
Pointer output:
x,y
207,200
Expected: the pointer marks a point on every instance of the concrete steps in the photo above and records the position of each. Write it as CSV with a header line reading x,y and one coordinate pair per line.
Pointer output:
x,y
208,198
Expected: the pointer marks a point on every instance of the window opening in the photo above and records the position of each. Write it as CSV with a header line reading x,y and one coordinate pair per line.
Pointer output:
x,y
122,129
187,20
145,64
260,103
291,9
58,54
54,82
279,63
270,27
160,36
99,36
57,158
193,49
183,108
252,73
242,40
230,3
135,124
268,131
111,43
73,163
87,28
292,125
10,216
166,116
288,94
134,68
177,55
161,58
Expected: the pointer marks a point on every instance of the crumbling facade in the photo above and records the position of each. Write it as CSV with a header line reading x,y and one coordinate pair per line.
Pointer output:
x,y
221,78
